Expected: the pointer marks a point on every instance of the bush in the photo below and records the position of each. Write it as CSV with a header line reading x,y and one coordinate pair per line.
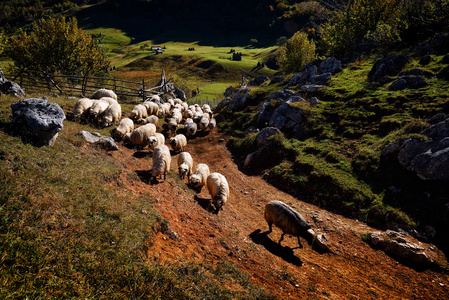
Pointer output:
x,y
296,53
58,46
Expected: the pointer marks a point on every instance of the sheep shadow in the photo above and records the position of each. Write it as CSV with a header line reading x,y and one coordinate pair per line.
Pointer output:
x,y
205,204
144,176
140,154
286,253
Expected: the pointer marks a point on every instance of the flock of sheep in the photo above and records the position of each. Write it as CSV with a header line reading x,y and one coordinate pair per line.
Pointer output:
x,y
140,130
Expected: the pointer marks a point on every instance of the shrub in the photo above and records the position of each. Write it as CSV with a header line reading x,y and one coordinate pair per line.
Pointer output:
x,y
58,46
296,53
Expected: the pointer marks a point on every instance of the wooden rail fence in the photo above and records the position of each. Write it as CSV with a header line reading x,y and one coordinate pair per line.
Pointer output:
x,y
126,90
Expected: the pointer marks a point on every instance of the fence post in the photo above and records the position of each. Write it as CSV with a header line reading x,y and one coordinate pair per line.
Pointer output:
x,y
143,89
115,85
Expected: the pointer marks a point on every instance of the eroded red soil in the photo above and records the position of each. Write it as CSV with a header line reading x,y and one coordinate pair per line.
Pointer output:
x,y
352,271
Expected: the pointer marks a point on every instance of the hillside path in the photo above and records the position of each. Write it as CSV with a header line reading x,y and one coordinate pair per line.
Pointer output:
x,y
238,234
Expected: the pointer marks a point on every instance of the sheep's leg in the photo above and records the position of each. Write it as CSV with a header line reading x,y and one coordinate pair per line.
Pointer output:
x,y
282,237
270,226
165,175
299,242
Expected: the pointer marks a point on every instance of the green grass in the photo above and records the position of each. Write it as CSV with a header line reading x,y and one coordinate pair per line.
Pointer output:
x,y
70,229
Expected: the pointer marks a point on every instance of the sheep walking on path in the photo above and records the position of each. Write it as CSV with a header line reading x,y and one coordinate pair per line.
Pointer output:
x,y
185,165
219,190
199,178
178,143
125,126
287,219
161,161
155,140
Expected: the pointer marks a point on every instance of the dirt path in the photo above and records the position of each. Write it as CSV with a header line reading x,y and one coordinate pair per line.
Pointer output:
x,y
353,271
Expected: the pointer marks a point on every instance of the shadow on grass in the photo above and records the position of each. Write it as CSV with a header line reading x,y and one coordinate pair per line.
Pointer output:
x,y
285,253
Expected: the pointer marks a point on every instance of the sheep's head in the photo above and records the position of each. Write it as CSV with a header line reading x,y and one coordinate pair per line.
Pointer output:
x,y
152,141
172,142
195,180
183,169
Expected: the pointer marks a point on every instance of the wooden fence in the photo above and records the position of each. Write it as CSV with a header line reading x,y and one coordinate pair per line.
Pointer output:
x,y
126,90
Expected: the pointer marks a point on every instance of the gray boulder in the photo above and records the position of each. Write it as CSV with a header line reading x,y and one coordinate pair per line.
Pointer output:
x,y
222,104
265,114
37,120
9,87
263,136
314,101
311,87
239,100
281,95
391,65
323,79
107,143
289,120
408,82
402,246
330,65
278,77
259,80
308,75
428,159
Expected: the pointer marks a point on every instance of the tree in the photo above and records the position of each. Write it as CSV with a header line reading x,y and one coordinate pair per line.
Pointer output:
x,y
3,40
58,46
296,53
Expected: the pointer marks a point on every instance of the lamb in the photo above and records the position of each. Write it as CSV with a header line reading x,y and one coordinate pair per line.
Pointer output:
x,y
178,143
141,134
139,112
218,189
104,93
199,178
287,219
161,161
185,165
112,115
152,108
98,109
125,126
82,108
155,140
150,119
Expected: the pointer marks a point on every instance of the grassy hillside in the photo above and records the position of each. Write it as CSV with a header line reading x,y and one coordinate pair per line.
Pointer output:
x,y
337,165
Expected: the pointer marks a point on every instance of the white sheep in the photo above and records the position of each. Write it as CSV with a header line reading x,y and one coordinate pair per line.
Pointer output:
x,y
287,219
177,101
139,111
171,102
154,98
155,140
125,126
82,108
212,124
185,164
140,135
171,126
112,115
205,107
161,161
150,119
204,123
197,115
98,109
190,128
164,110
109,100
177,115
218,189
199,178
152,108
104,93
178,143
187,114
185,106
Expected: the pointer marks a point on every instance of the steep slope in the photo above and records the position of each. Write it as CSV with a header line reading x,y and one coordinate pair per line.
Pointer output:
x,y
238,234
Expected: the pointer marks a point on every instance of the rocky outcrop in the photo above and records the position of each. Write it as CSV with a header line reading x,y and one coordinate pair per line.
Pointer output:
x,y
107,143
429,159
317,74
38,121
408,82
10,88
288,119
239,100
259,80
390,65
402,247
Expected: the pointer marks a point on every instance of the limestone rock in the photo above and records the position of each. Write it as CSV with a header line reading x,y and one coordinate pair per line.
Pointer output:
x,y
391,65
37,120
408,82
263,136
239,100
289,120
96,138
330,65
